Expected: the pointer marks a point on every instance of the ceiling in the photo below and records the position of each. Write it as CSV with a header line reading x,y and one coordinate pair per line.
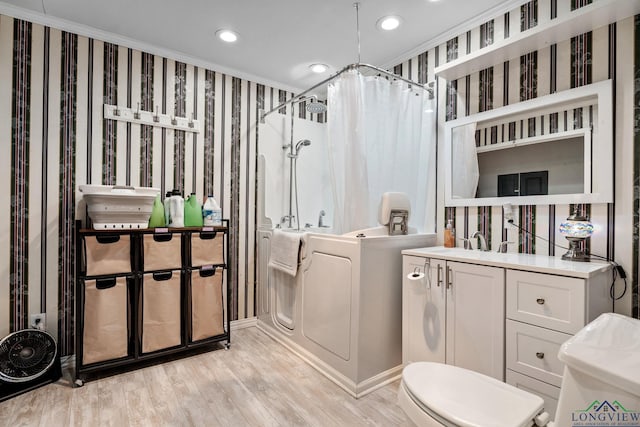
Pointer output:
x,y
279,39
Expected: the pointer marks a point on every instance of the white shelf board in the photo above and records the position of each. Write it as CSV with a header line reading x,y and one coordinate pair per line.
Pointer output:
x,y
582,20
532,140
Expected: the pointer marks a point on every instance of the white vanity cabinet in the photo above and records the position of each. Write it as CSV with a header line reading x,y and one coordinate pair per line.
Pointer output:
x,y
454,315
504,315
543,311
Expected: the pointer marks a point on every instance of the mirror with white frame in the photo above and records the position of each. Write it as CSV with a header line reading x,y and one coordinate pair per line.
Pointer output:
x,y
552,149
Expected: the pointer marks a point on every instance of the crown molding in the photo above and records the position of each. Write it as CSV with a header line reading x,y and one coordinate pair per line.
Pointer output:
x,y
38,17
455,31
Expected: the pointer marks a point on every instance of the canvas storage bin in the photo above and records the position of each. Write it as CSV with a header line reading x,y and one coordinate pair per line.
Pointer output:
x,y
162,251
107,254
106,326
207,313
161,311
207,248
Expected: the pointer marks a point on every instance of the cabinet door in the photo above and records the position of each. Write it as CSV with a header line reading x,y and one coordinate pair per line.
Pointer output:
x,y
423,310
475,318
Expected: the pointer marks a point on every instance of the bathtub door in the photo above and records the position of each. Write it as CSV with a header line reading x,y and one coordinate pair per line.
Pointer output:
x,y
326,306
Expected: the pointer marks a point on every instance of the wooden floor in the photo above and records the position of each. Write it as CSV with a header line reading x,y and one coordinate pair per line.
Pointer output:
x,y
255,383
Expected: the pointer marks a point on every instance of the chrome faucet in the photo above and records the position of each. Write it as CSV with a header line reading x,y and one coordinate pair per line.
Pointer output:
x,y
466,243
320,217
483,241
502,248
288,218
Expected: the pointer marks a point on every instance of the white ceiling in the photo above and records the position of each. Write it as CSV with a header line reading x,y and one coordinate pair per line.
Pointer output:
x,y
279,39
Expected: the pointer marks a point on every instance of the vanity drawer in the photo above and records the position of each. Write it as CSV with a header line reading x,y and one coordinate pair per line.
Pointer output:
x,y
547,392
554,302
533,351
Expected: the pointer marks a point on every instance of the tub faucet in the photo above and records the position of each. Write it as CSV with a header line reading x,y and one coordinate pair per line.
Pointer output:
x,y
320,217
483,241
288,218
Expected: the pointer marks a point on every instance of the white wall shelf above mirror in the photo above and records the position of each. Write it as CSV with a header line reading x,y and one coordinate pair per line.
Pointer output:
x,y
539,139
586,18
554,149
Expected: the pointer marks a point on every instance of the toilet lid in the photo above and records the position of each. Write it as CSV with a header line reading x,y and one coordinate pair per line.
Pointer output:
x,y
467,398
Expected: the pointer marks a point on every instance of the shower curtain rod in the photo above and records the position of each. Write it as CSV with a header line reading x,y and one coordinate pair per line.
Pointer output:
x,y
427,86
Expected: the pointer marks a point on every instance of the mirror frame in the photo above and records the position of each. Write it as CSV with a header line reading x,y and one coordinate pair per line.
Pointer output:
x,y
600,178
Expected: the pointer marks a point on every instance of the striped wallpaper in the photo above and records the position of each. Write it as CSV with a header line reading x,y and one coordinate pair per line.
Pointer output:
x,y
53,85
52,88
597,55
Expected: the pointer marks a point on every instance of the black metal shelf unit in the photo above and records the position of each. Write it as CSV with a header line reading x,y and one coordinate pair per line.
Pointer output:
x,y
144,296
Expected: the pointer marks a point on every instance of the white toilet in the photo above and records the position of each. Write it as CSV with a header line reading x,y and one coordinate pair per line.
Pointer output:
x,y
600,386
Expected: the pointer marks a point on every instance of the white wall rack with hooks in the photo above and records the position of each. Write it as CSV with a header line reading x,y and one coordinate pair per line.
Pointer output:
x,y
135,115
579,21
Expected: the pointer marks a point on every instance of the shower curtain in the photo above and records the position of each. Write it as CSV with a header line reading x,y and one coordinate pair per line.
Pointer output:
x,y
381,137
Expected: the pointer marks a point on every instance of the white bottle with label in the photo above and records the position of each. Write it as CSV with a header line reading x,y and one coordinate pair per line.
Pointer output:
x,y
176,209
211,212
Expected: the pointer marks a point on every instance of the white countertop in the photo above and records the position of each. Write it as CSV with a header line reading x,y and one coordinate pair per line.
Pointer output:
x,y
515,261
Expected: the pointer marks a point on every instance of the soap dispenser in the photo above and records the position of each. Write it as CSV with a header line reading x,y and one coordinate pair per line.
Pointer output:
x,y
449,235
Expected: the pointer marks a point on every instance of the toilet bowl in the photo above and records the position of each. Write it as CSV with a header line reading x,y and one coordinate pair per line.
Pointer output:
x,y
435,394
601,384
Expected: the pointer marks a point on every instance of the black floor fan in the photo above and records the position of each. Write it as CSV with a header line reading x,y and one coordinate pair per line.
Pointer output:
x,y
28,359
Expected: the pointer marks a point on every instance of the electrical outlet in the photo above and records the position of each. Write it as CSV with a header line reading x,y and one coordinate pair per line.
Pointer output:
x,y
508,212
38,321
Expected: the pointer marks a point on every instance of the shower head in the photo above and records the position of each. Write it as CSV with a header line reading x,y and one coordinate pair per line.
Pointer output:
x,y
302,143
315,106
296,150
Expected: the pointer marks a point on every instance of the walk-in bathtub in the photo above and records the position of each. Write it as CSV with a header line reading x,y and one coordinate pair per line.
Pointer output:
x,y
342,312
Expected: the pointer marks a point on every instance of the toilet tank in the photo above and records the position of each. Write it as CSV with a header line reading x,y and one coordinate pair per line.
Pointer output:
x,y
601,382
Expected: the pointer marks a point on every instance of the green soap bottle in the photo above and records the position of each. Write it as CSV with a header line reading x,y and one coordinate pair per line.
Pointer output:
x,y
157,214
192,212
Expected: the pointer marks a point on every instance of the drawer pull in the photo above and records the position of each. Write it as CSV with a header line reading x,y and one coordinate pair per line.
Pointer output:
x,y
540,301
540,355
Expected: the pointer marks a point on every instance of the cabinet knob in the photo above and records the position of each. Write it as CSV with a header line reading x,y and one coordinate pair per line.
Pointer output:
x,y
540,301
540,355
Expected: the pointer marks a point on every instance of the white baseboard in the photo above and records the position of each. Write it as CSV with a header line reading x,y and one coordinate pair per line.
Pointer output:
x,y
244,323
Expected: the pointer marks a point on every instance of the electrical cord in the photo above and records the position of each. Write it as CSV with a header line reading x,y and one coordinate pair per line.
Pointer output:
x,y
617,269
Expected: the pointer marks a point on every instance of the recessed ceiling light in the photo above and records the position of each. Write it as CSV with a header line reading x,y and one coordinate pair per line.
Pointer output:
x,y
389,23
318,68
227,35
